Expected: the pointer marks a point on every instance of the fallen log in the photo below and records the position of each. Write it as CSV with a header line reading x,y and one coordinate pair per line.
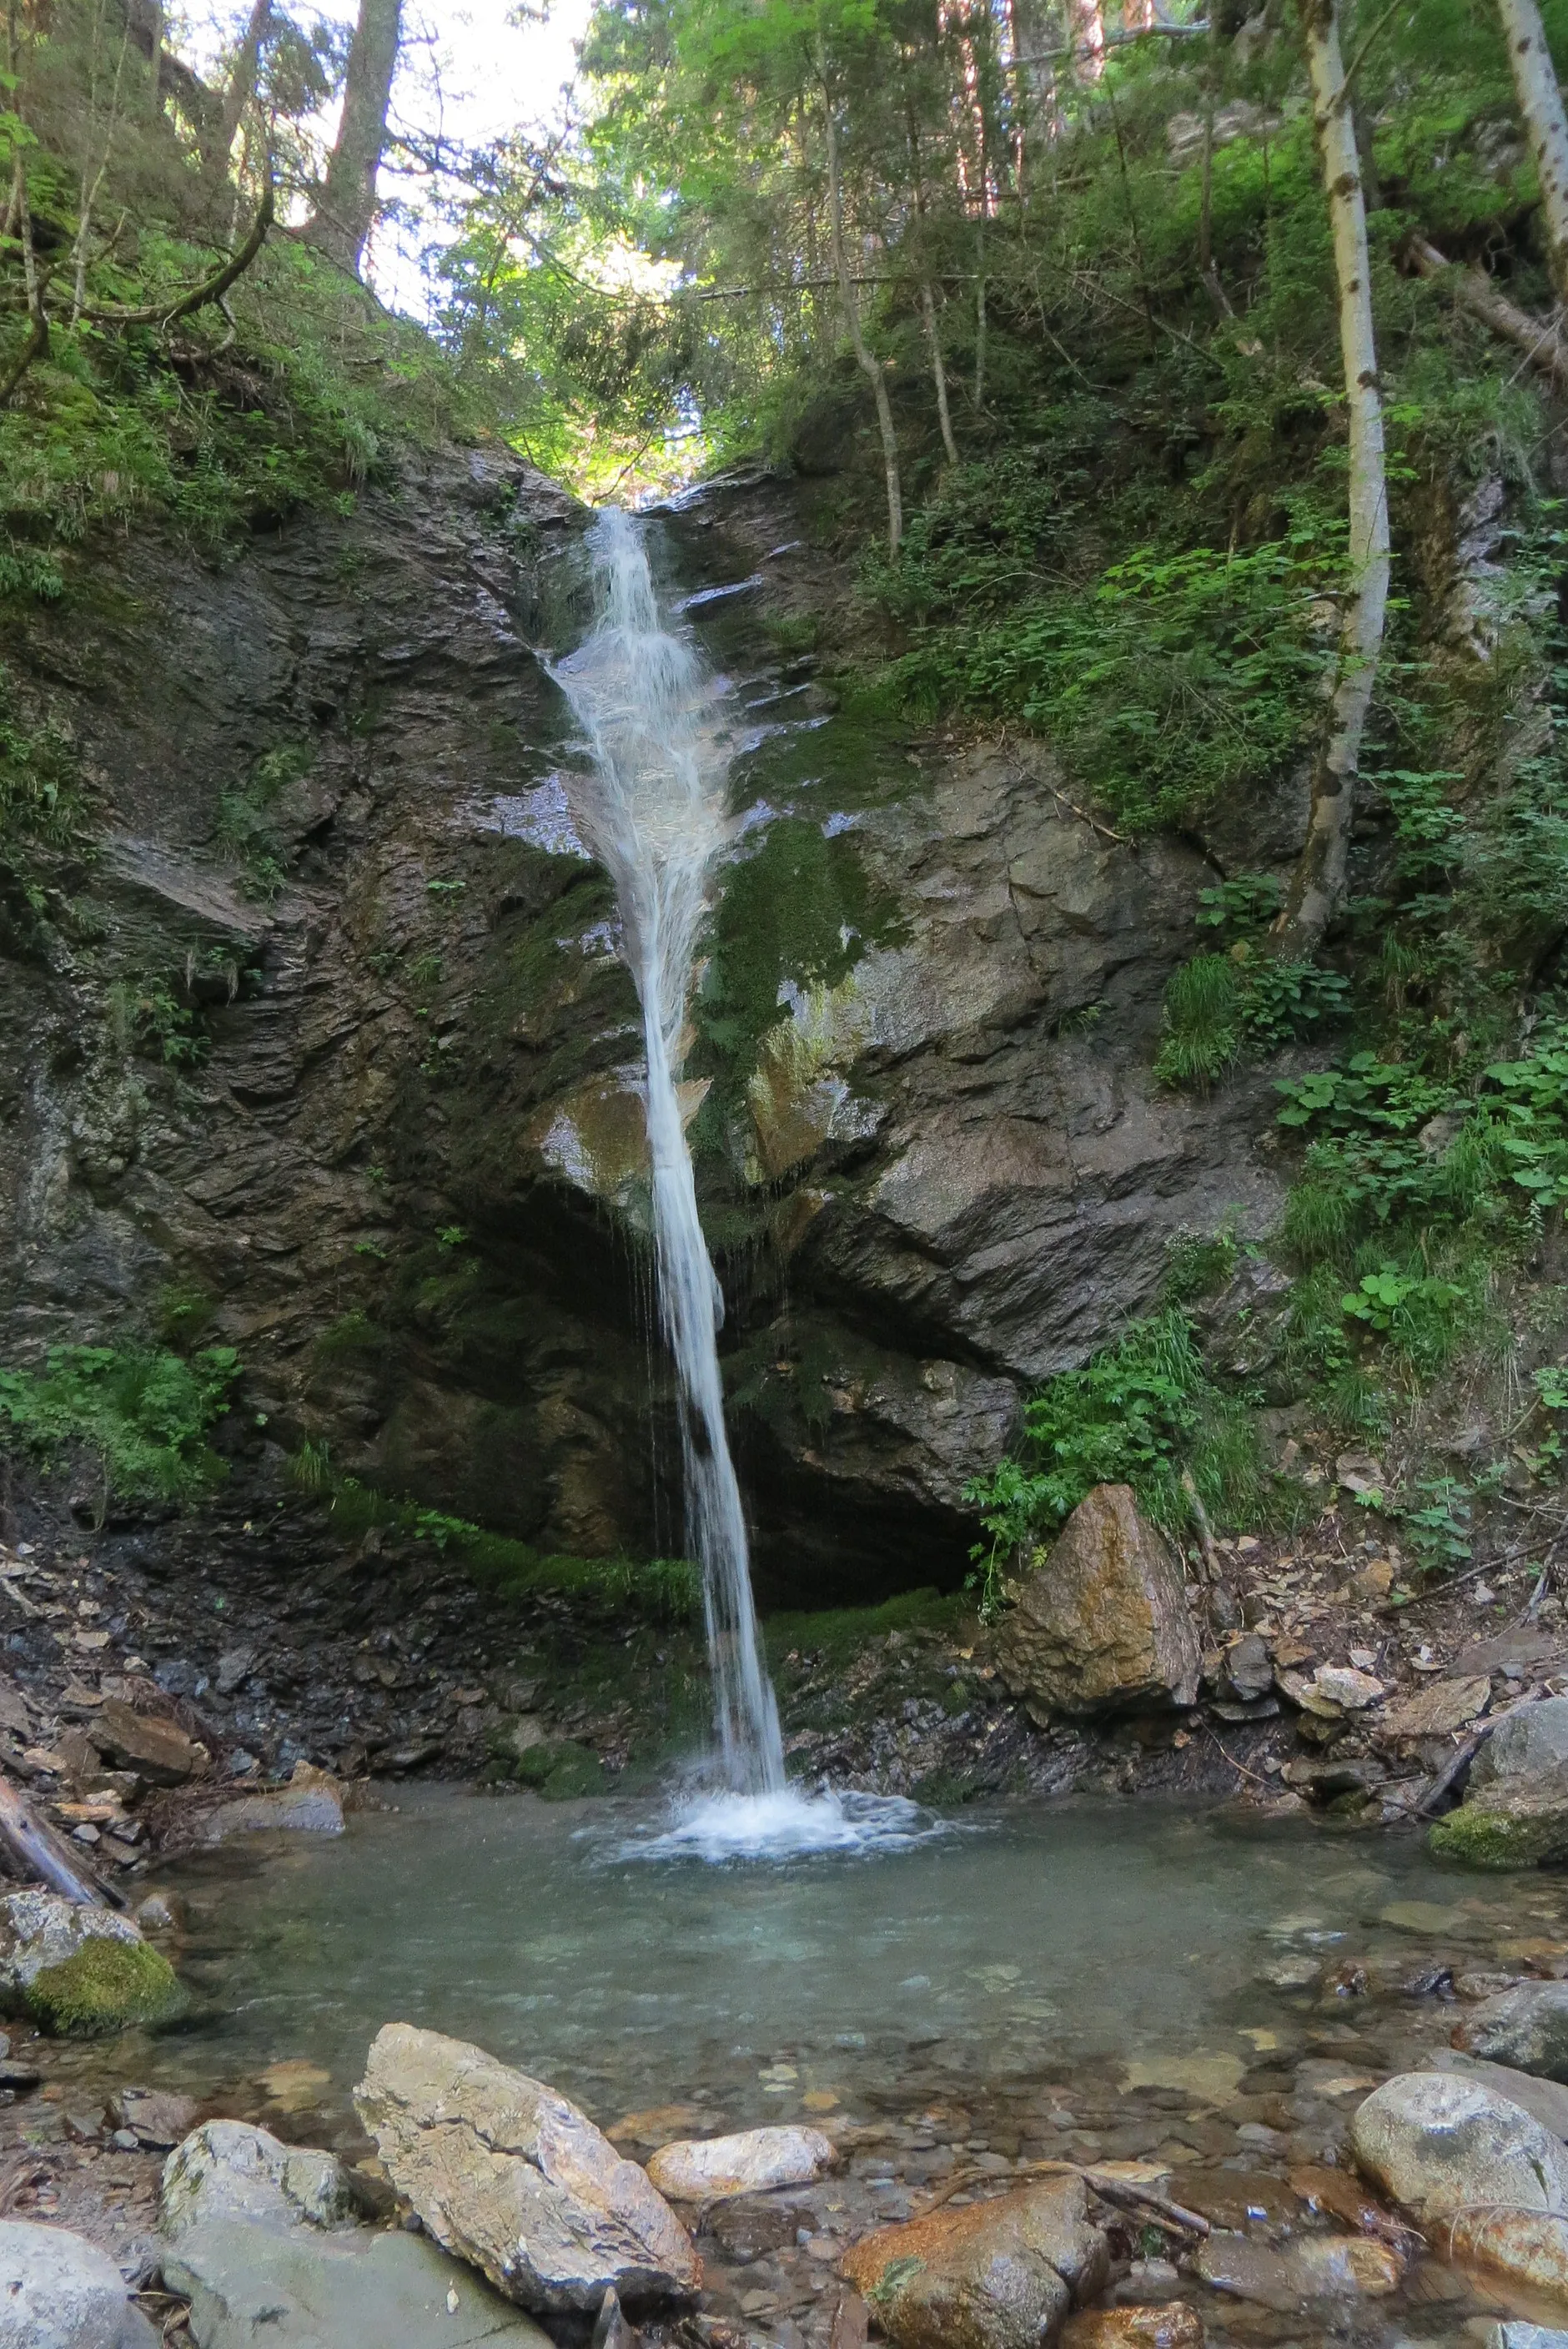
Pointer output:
x,y
36,1847
1538,339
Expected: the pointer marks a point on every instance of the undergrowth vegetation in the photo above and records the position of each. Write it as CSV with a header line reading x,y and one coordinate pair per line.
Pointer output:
x,y
138,1417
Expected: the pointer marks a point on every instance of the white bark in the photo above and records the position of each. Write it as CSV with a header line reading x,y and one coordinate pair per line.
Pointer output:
x,y
928,310
1317,887
848,296
1546,124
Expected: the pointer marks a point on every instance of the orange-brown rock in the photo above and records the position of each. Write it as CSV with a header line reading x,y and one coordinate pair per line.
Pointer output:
x,y
1174,2325
159,1749
1101,1624
988,2275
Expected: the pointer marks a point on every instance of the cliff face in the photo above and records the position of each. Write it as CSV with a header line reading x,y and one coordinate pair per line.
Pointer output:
x,y
326,1038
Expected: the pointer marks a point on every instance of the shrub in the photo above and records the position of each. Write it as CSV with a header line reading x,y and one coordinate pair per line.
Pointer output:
x,y
143,1413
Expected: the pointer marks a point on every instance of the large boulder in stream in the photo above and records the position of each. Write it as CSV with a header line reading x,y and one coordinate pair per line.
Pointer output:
x,y
512,2178
991,2275
1101,1624
1525,2027
1485,2181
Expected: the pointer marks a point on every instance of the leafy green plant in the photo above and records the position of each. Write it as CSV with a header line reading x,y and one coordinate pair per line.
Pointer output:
x,y
1144,1411
1217,1005
142,1412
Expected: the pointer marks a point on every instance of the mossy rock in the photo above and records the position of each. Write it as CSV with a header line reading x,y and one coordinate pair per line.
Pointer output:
x,y
560,1770
1477,1837
106,1985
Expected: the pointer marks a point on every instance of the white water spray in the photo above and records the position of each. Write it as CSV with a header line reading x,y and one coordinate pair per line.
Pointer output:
x,y
653,812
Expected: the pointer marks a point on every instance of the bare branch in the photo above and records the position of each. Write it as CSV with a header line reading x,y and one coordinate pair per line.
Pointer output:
x,y
164,313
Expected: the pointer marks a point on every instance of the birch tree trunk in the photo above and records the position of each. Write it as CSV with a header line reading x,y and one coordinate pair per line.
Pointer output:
x,y
1546,127
343,218
1317,887
848,295
945,414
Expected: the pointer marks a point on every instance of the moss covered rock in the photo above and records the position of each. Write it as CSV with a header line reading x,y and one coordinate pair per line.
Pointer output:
x,y
107,1986
560,1769
81,1970
1516,1834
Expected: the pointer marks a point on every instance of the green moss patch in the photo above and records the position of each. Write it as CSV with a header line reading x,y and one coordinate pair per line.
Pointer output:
x,y
1478,1838
106,1985
560,1770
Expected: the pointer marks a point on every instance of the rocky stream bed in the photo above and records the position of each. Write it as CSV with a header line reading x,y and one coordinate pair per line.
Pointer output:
x,y
312,1771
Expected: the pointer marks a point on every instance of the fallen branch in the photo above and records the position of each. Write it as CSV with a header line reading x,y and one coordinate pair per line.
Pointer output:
x,y
164,313
1538,339
41,1852
1120,2191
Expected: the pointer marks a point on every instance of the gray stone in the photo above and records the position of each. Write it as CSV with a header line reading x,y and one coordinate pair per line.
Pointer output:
x,y
229,2169
1525,2336
1101,1624
1546,2101
303,2290
1532,1742
311,1804
1249,1668
78,1969
57,2290
1525,2028
1439,2143
510,2176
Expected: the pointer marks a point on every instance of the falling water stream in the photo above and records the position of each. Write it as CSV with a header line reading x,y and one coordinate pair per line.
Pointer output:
x,y
655,809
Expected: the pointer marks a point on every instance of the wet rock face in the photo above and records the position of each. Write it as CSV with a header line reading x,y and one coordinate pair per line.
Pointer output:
x,y
1101,1624
403,1171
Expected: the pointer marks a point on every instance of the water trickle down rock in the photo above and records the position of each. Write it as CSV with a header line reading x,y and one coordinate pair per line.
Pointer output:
x,y
512,2178
992,2275
1102,1625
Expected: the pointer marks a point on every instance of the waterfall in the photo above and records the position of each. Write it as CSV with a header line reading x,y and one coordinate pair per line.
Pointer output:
x,y
654,810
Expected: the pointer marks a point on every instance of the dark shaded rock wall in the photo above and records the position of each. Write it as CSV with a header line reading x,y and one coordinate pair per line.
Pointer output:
x,y
403,1169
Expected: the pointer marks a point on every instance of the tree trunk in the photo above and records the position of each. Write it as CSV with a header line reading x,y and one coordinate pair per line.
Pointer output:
x,y
928,310
241,85
870,365
342,220
1541,104
1317,885
1086,31
1538,339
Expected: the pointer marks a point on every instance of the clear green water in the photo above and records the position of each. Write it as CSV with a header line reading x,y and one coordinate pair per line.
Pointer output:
x,y
1018,1946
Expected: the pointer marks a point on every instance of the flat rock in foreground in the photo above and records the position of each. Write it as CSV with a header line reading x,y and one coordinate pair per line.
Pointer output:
x,y
57,2290
1101,1624
715,2168
992,2275
512,2178
246,2283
